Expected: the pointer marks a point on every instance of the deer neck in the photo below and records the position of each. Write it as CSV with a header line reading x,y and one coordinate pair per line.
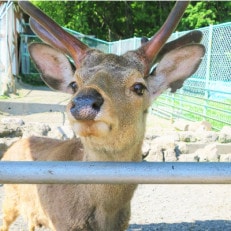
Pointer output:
x,y
112,154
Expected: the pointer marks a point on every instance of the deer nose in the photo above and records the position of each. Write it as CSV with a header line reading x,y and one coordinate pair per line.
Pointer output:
x,y
86,105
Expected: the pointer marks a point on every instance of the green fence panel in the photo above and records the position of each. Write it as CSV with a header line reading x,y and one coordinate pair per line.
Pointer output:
x,y
207,94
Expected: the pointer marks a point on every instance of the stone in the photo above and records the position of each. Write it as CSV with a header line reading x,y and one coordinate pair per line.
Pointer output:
x,y
155,155
149,136
207,136
164,141
10,130
187,136
208,154
181,125
225,135
188,158
170,155
3,147
12,120
162,149
35,129
225,157
199,126
145,148
181,148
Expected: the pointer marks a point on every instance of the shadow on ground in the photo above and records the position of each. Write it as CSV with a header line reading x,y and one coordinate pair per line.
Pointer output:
x,y
213,225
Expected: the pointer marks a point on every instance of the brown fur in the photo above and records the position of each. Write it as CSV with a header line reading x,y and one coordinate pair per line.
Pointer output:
x,y
115,134
36,203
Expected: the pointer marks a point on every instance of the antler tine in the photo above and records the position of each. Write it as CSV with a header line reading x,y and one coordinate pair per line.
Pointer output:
x,y
52,33
151,48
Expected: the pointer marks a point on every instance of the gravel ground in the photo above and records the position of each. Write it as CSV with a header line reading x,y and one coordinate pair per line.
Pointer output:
x,y
161,207
181,207
174,207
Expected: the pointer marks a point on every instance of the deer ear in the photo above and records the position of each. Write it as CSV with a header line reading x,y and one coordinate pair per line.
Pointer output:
x,y
56,70
174,68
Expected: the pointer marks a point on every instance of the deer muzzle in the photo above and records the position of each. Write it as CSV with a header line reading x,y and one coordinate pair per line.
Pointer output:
x,y
86,104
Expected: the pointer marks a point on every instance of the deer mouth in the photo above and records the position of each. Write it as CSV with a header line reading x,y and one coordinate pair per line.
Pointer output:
x,y
99,125
90,114
91,128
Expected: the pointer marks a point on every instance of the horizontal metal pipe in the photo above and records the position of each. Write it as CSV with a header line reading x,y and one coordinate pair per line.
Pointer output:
x,y
185,110
114,172
177,99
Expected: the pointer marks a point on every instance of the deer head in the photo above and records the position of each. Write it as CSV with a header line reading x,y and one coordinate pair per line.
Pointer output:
x,y
110,93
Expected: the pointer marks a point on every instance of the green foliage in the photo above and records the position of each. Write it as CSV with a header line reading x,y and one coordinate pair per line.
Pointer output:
x,y
205,13
4,97
113,20
32,79
199,15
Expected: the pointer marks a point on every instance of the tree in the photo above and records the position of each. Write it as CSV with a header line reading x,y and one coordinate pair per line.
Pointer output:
x,y
111,20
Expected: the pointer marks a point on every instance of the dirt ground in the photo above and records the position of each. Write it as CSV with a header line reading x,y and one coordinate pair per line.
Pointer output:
x,y
175,208
159,207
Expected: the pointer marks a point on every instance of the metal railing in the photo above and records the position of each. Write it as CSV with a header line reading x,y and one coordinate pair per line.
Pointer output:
x,y
114,173
194,108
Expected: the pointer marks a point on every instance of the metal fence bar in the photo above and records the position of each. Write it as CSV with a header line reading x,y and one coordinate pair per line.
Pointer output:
x,y
192,103
191,108
114,172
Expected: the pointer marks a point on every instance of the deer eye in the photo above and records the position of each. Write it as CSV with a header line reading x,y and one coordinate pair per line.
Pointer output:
x,y
73,85
139,88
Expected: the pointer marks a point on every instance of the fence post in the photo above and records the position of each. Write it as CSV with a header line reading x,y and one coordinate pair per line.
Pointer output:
x,y
120,48
134,42
109,47
208,66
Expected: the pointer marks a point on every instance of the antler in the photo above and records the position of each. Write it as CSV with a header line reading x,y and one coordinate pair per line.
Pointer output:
x,y
150,49
46,36
50,32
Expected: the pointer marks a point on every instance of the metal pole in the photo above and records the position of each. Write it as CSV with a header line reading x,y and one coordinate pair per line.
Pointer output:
x,y
134,43
208,70
114,172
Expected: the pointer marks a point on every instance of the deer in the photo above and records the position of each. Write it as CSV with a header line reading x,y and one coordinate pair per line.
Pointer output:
x,y
110,97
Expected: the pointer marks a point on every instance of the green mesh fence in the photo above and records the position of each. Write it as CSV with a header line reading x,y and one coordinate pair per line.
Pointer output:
x,y
206,95
28,68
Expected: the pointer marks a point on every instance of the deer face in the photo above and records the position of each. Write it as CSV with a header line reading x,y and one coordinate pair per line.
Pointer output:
x,y
109,91
111,94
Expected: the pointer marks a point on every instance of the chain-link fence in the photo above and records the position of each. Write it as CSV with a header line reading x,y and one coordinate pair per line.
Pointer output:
x,y
206,95
28,68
